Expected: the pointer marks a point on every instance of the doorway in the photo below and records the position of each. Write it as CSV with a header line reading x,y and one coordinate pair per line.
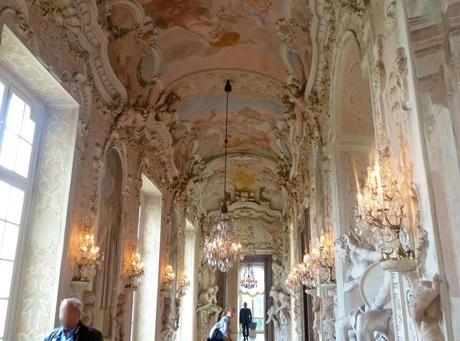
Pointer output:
x,y
257,298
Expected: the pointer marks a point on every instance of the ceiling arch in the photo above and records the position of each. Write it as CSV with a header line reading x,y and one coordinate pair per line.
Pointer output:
x,y
217,34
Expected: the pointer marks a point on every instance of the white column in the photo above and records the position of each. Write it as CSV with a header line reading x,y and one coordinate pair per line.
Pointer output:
x,y
188,315
147,295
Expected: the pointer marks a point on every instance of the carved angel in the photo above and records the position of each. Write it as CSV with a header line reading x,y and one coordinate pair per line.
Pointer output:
x,y
165,108
350,249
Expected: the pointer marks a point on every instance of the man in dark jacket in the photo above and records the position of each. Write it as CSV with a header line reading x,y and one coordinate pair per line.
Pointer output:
x,y
72,329
245,320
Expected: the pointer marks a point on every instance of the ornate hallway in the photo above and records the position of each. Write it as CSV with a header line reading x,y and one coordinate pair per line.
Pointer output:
x,y
162,162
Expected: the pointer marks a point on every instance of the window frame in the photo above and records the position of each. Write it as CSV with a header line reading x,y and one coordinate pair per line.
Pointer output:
x,y
26,184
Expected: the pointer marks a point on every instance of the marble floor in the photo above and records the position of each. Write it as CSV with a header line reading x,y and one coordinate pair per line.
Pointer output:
x,y
259,337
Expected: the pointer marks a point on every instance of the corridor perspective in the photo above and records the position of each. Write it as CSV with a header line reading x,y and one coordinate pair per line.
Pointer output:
x,y
239,170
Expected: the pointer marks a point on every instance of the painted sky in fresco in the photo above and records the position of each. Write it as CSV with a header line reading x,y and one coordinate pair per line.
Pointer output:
x,y
232,34
250,122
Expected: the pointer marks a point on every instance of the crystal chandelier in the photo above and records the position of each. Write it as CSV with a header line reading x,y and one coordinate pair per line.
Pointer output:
x,y
222,248
248,281
381,208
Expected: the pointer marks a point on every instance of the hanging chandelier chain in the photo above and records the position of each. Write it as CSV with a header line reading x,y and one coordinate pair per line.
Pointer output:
x,y
222,248
228,88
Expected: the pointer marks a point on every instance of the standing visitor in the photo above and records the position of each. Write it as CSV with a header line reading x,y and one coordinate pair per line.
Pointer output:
x,y
245,320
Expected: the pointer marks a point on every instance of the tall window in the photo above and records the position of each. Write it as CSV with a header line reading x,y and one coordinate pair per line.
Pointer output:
x,y
133,306
18,131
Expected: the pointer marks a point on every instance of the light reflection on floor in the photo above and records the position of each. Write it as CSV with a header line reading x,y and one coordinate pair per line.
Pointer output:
x,y
259,337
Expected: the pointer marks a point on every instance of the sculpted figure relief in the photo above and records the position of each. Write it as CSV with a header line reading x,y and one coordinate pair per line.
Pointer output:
x,y
208,308
296,106
88,298
165,108
328,318
284,306
278,313
425,309
351,251
317,317
271,316
277,271
371,321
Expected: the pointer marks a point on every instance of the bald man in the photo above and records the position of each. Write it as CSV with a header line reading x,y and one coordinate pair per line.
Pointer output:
x,y
72,328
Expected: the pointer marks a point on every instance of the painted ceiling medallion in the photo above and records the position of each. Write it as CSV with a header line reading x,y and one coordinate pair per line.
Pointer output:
x,y
222,248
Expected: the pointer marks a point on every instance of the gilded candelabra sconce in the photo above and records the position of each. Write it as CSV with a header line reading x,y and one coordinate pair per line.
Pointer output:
x,y
381,209
88,258
323,257
317,268
168,279
134,271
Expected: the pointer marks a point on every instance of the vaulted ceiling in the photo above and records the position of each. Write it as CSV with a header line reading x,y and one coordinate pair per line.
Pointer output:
x,y
260,45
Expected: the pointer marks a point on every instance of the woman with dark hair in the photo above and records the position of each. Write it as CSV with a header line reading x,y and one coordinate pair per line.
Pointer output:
x,y
221,330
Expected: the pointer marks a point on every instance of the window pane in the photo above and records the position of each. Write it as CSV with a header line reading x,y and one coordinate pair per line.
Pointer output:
x,y
16,199
6,269
259,306
3,308
2,91
9,242
18,137
14,114
9,150
28,126
11,200
23,158
2,229
4,197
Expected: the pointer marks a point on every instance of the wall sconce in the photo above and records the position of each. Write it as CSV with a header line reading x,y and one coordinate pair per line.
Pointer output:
x,y
381,208
134,271
317,268
168,279
324,258
89,257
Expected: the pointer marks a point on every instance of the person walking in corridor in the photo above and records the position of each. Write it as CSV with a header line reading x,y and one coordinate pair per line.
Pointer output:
x,y
221,330
245,320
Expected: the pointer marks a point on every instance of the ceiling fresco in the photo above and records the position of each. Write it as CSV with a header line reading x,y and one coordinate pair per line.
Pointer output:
x,y
250,122
194,34
250,178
